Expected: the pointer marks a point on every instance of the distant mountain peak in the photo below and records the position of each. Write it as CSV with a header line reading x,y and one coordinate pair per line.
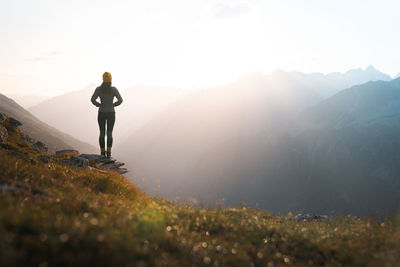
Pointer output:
x,y
370,68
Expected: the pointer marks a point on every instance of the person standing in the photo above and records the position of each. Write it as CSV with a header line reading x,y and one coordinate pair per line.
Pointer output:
x,y
106,113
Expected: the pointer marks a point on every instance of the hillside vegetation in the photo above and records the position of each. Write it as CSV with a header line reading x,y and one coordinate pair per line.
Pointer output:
x,y
55,215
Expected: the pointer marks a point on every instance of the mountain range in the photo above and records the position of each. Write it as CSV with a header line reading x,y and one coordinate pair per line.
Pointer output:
x,y
250,142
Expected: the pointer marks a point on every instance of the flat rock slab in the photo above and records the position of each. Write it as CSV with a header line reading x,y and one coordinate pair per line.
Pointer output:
x,y
122,170
114,165
105,161
100,162
97,158
91,157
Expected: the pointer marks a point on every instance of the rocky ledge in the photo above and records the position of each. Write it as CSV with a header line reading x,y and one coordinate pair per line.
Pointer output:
x,y
91,161
105,163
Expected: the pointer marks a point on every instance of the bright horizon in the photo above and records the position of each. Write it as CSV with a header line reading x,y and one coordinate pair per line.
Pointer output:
x,y
53,47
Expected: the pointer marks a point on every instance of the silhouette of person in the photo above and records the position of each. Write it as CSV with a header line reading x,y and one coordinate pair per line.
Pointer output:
x,y
106,113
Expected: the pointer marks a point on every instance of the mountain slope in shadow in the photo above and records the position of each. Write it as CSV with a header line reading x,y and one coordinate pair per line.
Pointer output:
x,y
340,156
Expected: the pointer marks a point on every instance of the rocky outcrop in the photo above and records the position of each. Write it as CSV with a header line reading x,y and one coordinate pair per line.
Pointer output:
x,y
91,161
104,163
36,144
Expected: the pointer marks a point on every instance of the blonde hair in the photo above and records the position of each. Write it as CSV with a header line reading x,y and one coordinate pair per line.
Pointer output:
x,y
107,77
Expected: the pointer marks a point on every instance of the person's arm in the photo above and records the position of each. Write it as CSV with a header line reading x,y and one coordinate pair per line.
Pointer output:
x,y
119,98
94,98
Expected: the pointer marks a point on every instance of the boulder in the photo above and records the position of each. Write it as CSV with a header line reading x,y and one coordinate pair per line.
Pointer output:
x,y
3,134
41,146
15,122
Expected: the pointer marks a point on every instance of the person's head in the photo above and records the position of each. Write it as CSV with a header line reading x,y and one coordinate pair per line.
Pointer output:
x,y
107,78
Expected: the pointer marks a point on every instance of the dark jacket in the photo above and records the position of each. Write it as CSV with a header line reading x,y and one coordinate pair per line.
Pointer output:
x,y
106,94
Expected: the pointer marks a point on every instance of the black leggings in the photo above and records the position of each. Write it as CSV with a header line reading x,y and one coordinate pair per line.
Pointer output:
x,y
102,118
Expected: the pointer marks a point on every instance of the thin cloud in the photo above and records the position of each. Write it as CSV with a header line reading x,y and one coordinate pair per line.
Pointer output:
x,y
226,11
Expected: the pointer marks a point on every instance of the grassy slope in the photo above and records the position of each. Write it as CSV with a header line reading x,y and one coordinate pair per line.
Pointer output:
x,y
58,216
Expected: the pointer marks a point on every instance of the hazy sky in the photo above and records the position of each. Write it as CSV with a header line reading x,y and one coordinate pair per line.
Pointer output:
x,y
50,47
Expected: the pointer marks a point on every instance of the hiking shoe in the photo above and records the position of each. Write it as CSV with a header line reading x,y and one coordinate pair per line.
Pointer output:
x,y
108,155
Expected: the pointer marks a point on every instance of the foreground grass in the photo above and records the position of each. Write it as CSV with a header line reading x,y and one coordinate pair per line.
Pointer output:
x,y
52,215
